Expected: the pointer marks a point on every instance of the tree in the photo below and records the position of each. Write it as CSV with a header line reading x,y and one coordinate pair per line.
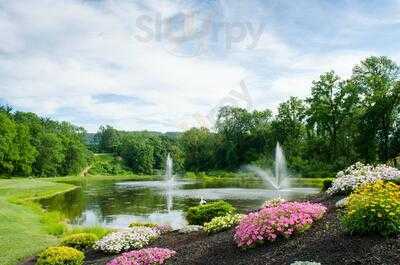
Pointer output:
x,y
237,128
26,152
50,157
138,153
377,82
8,154
199,146
289,122
108,139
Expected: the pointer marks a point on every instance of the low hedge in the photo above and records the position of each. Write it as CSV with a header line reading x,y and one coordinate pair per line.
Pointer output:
x,y
79,241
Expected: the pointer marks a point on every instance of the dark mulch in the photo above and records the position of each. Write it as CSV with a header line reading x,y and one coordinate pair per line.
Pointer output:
x,y
325,242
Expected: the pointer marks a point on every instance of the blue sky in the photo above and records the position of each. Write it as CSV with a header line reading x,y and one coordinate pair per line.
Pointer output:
x,y
168,65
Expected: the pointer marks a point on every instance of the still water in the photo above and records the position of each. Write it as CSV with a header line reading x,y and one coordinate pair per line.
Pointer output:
x,y
117,204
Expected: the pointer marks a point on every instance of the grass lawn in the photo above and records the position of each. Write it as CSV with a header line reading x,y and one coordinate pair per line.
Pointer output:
x,y
25,228
23,231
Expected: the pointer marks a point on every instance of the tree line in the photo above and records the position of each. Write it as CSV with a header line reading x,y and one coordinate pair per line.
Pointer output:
x,y
35,146
342,121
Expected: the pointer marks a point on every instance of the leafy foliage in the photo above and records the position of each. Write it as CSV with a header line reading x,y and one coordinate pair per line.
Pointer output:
x,y
79,241
222,223
198,215
38,146
374,208
61,256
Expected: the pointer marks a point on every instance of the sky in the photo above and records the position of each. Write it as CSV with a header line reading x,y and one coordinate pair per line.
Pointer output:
x,y
168,65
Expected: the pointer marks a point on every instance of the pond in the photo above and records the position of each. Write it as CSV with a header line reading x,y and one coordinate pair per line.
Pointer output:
x,y
118,203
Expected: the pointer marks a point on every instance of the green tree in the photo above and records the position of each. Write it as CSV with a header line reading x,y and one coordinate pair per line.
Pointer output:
x,y
50,155
199,146
108,139
138,153
26,151
377,82
8,152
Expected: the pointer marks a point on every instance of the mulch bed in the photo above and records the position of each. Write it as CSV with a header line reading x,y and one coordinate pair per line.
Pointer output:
x,y
325,242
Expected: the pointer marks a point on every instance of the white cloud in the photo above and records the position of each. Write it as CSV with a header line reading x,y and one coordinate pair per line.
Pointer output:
x,y
56,56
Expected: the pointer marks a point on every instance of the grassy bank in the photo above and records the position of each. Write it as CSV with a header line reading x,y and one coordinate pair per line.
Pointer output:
x,y
25,228
225,176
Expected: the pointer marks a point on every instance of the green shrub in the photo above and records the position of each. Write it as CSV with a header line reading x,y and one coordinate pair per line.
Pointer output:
x,y
136,224
374,208
98,231
201,214
80,241
222,223
326,184
60,256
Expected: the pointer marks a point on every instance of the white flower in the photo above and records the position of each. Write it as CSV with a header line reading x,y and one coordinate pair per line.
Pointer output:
x,y
134,238
358,174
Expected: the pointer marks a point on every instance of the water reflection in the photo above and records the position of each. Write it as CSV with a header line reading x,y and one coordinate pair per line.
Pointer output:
x,y
116,204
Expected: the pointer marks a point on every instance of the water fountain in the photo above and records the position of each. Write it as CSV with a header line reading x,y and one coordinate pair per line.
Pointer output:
x,y
279,176
169,182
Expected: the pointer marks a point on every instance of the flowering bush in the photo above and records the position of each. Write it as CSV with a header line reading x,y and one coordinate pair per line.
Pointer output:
x,y
201,214
222,223
147,256
273,202
282,220
60,256
163,228
358,174
134,238
190,229
80,241
374,208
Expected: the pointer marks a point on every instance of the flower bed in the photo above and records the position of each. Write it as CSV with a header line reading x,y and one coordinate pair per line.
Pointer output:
x,y
148,256
358,174
269,223
134,238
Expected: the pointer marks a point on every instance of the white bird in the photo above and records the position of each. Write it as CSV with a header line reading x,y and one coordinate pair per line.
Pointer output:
x,y
202,201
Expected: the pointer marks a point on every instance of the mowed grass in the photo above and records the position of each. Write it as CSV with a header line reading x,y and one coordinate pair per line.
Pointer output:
x,y
24,226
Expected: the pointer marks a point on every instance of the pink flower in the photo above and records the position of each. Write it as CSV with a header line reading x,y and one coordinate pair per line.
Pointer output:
x,y
280,220
147,256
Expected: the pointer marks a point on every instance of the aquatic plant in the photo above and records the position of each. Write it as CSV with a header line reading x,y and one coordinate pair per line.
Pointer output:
x,y
358,174
60,256
283,220
134,238
222,223
374,208
147,256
